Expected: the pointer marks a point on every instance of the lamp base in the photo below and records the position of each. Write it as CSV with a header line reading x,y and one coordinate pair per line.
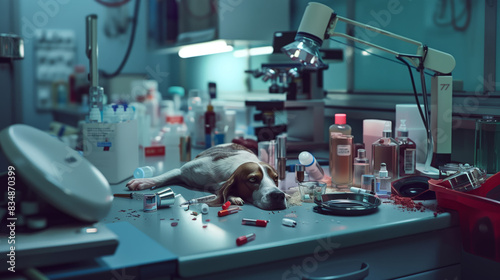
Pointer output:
x,y
429,172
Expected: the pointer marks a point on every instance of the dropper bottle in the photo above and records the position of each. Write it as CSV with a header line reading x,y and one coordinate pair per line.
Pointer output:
x,y
383,182
407,151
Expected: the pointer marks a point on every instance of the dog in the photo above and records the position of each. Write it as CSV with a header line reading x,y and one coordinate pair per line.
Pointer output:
x,y
231,171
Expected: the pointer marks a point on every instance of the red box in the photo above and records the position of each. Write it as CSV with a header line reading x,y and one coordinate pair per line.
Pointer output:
x,y
153,151
479,214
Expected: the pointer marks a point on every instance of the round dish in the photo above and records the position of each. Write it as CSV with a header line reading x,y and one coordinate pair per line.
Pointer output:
x,y
347,204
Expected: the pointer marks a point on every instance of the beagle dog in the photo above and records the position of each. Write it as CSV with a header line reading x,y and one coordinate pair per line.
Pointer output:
x,y
231,171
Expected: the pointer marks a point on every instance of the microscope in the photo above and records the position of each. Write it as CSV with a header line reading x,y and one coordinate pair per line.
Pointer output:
x,y
304,105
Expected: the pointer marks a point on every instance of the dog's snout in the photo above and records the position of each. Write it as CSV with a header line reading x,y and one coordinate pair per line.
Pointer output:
x,y
277,196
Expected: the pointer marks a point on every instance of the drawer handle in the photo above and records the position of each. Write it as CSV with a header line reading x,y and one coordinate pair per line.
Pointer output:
x,y
356,275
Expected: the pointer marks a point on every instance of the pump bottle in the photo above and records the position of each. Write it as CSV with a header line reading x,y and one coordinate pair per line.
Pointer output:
x,y
407,151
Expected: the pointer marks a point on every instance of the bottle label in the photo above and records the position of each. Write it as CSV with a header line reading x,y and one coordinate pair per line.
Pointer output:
x,y
409,161
344,150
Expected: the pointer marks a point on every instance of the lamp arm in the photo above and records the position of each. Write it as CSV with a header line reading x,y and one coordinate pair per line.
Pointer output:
x,y
435,60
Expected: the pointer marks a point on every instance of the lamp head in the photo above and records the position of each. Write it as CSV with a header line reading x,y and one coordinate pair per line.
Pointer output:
x,y
309,38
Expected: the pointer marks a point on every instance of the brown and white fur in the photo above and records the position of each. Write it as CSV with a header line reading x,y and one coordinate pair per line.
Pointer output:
x,y
231,171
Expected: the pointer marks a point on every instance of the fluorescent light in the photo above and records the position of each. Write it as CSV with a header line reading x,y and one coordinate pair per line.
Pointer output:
x,y
253,51
365,53
213,47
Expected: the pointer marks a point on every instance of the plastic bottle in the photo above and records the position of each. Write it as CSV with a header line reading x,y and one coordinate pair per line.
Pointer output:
x,y
209,125
407,151
361,167
385,150
340,125
152,107
313,169
383,182
144,172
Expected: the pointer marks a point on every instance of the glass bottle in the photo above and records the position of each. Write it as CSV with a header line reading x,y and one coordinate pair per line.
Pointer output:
x,y
385,150
361,167
407,151
487,145
341,160
340,125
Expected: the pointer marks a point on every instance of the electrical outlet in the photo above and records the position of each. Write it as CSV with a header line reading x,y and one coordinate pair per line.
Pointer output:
x,y
55,55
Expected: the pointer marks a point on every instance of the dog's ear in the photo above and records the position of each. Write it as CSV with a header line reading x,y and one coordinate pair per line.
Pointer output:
x,y
223,192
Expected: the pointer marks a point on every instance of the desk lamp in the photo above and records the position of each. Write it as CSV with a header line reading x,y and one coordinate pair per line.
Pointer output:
x,y
318,23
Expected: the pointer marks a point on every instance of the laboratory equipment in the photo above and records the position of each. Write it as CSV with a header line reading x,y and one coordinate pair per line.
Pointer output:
x,y
383,182
311,190
367,182
11,47
385,150
288,222
347,204
111,147
360,190
245,239
361,166
341,160
144,172
267,152
200,200
407,151
254,222
487,145
228,211
299,173
165,198
149,203
67,192
281,156
313,169
318,23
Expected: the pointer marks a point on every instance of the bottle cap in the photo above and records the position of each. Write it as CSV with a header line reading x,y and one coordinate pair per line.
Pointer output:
x,y
402,130
361,153
340,118
306,158
387,130
383,170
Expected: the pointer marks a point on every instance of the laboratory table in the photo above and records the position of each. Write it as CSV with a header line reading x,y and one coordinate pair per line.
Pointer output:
x,y
394,241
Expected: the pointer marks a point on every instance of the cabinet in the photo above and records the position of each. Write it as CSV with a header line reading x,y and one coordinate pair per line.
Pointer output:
x,y
174,23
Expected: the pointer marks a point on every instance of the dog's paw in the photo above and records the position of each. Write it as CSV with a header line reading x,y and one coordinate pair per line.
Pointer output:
x,y
141,184
236,200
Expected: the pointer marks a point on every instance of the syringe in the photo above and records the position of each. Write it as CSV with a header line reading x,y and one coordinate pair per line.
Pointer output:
x,y
96,92
200,200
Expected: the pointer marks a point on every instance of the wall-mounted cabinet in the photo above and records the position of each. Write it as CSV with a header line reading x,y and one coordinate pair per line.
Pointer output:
x,y
175,23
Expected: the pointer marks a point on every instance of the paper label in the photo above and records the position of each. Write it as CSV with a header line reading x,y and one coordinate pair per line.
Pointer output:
x,y
344,150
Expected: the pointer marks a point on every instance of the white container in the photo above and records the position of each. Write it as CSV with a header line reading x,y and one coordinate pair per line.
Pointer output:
x,y
113,148
144,172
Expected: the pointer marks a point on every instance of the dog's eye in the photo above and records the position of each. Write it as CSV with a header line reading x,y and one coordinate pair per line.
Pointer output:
x,y
252,180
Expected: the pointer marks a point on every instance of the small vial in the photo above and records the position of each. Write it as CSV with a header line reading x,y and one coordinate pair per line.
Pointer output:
x,y
367,182
149,203
144,172
289,222
359,190
383,182
361,166
200,200
312,166
204,209
253,222
245,239
226,212
299,173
